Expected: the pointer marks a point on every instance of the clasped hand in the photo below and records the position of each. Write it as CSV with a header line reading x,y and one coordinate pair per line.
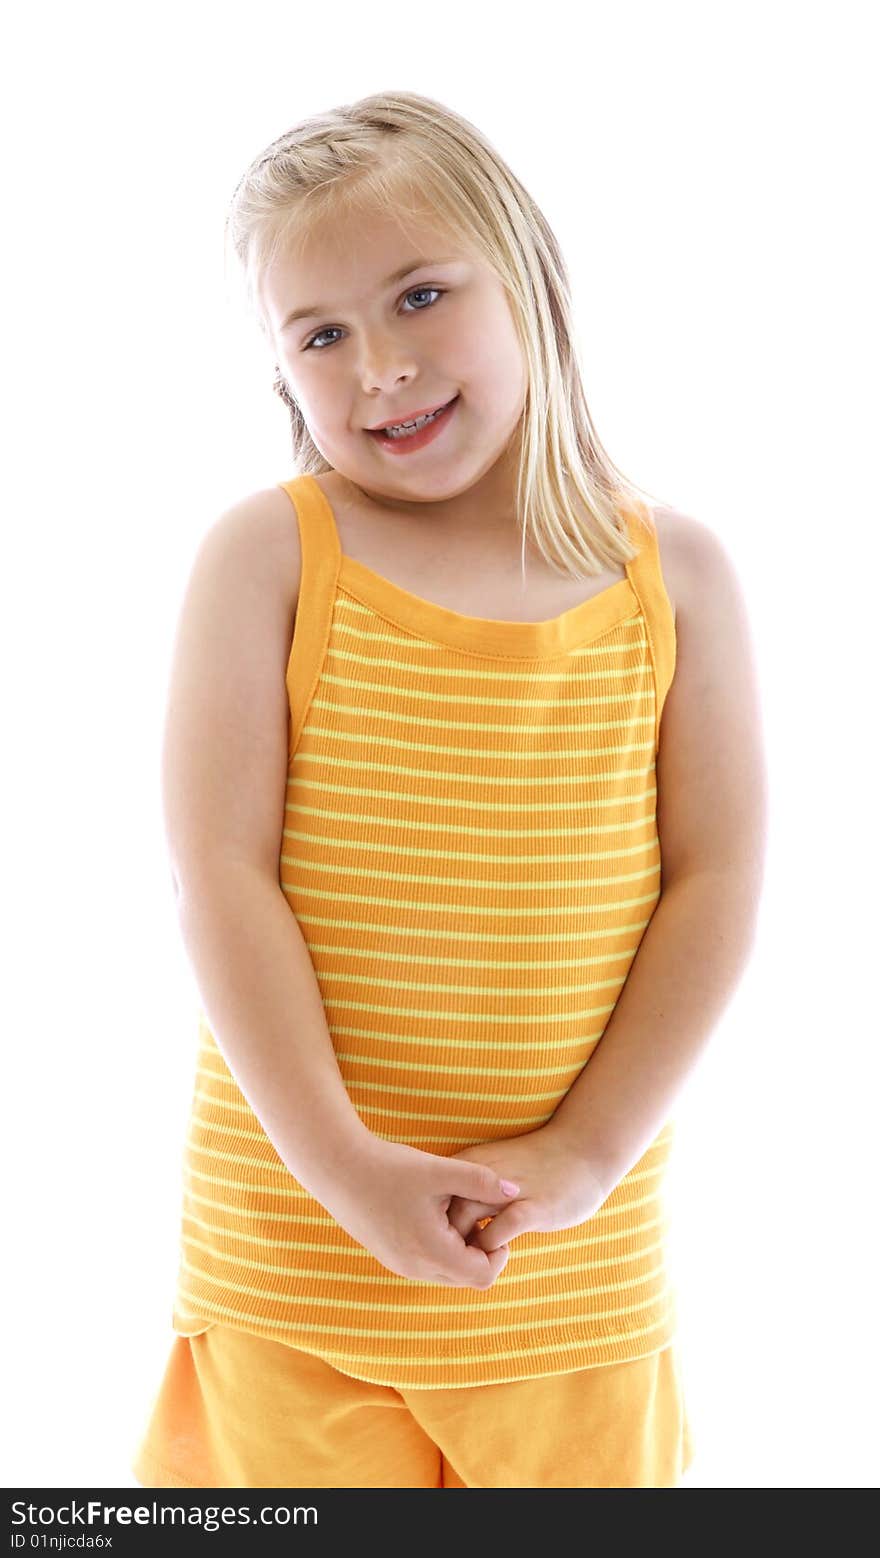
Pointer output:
x,y
557,1190
426,1216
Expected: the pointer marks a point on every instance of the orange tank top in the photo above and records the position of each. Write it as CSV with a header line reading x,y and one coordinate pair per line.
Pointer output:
x,y
471,851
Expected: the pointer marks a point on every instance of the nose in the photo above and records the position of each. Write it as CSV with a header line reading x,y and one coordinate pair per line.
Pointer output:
x,y
384,363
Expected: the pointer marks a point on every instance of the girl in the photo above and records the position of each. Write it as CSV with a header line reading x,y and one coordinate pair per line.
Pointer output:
x,y
415,803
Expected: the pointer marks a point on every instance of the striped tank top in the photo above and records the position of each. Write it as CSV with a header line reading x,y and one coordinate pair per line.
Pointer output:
x,y
471,851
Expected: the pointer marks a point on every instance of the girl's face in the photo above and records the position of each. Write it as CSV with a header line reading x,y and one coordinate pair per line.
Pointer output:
x,y
372,349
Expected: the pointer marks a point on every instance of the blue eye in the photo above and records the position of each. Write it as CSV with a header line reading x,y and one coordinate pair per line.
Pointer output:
x,y
414,292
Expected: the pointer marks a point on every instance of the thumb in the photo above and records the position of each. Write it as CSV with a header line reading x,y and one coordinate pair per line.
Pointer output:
x,y
478,1182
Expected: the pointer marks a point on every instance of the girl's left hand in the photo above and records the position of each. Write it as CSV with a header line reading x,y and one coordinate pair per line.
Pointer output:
x,y
557,1189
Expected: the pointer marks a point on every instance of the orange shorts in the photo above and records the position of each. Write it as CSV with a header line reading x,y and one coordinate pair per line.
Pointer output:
x,y
237,1411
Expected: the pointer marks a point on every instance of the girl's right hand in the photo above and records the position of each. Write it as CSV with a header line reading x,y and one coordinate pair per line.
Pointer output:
x,y
394,1201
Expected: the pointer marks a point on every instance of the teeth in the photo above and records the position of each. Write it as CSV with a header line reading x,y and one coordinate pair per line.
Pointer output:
x,y
403,429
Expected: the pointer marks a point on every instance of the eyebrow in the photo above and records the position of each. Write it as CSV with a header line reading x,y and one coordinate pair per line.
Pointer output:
x,y
314,309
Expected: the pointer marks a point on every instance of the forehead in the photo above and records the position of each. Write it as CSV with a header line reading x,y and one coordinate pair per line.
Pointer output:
x,y
349,239
346,255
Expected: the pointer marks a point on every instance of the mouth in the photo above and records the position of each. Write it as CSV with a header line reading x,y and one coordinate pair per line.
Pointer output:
x,y
428,426
414,416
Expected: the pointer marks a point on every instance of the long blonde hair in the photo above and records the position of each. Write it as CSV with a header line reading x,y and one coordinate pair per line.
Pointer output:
x,y
412,156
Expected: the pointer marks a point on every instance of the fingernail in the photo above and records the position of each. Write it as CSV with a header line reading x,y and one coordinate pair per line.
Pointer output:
x,y
509,1188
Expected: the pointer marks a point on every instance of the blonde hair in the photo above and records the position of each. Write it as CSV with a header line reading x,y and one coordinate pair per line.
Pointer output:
x,y
410,155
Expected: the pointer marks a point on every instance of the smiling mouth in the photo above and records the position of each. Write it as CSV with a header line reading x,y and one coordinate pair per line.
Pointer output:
x,y
423,419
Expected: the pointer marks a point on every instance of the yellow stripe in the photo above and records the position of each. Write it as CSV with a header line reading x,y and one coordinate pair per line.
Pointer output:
x,y
536,992
560,755
445,908
434,695
389,1278
449,827
464,805
422,651
329,761
410,1306
484,1019
526,1250
486,938
463,881
437,962
435,1333
632,1333
512,1273
527,1121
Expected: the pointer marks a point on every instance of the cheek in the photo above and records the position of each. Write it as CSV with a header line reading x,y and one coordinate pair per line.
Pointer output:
x,y
488,355
506,377
482,365
320,405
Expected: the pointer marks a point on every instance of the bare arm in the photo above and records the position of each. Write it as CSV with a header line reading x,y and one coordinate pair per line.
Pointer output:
x,y
224,771
712,824
712,809
263,1003
224,782
688,964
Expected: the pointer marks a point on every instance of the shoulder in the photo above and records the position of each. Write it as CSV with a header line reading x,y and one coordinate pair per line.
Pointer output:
x,y
259,536
693,560
711,767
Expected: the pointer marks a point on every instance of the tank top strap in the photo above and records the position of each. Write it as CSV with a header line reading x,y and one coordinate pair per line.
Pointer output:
x,y
321,555
645,574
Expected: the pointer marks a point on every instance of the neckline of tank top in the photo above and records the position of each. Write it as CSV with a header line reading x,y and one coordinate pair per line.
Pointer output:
x,y
578,626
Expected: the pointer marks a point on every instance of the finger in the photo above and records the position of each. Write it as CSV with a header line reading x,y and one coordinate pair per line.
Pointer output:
x,y
477,1182
482,1276
499,1231
463,1215
498,1260
479,1268
479,1225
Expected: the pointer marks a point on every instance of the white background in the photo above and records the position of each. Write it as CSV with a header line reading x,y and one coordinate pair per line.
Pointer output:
x,y
708,173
